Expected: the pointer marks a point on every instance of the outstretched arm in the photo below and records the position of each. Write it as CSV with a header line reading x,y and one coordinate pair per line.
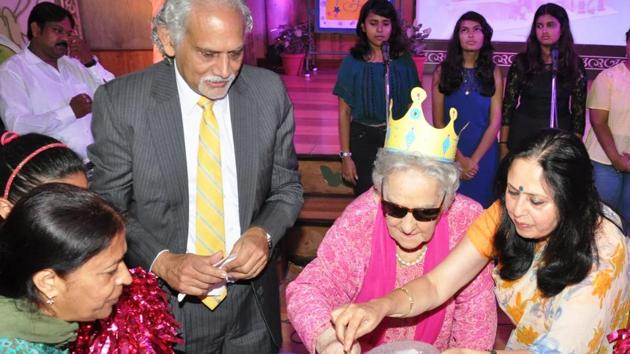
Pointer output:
x,y
422,294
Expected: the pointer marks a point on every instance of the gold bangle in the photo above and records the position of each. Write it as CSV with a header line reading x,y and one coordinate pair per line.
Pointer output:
x,y
406,291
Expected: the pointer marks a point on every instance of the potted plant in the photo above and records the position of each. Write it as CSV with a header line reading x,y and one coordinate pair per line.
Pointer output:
x,y
292,44
415,36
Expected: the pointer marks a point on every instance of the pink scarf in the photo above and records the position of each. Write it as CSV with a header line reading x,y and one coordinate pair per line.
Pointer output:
x,y
380,279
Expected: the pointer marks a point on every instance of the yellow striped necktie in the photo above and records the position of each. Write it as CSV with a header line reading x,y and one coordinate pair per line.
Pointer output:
x,y
210,222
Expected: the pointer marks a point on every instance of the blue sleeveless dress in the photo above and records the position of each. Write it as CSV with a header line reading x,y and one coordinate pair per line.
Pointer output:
x,y
474,109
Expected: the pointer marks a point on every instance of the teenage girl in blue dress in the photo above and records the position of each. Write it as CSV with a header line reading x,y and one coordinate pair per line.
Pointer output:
x,y
469,81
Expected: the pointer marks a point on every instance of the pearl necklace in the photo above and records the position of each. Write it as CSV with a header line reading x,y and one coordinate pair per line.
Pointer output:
x,y
420,258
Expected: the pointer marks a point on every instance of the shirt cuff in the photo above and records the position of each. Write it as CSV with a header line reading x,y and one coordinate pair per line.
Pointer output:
x,y
100,74
154,259
66,115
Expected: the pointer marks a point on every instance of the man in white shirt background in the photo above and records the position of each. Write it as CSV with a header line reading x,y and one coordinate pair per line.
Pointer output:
x,y
48,87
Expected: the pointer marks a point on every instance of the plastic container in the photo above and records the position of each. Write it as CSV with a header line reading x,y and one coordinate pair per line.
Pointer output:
x,y
405,347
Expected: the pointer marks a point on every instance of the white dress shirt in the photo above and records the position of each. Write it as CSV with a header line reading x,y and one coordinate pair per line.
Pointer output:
x,y
191,118
35,97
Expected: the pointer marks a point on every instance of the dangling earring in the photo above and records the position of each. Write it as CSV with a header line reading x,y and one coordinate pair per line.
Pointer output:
x,y
51,301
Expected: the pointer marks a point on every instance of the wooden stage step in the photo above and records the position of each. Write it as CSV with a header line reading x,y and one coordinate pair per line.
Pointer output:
x,y
325,198
323,210
321,175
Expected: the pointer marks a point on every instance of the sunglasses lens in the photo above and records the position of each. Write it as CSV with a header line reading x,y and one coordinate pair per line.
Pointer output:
x,y
394,210
419,214
426,214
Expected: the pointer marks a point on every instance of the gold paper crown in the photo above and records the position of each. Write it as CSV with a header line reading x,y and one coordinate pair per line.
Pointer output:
x,y
412,134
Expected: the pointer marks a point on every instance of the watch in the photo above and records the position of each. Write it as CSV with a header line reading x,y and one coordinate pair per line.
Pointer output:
x,y
90,63
343,154
269,241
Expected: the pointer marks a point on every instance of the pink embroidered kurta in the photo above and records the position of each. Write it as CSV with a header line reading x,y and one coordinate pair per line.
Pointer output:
x,y
335,277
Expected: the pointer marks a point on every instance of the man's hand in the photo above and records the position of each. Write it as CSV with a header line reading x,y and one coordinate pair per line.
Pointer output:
x,y
77,48
252,253
81,105
189,273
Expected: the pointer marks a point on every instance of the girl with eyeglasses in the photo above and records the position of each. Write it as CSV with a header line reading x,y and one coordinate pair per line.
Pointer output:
x,y
393,233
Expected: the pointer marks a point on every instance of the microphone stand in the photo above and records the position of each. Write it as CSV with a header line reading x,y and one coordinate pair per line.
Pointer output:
x,y
387,94
386,61
553,115
553,112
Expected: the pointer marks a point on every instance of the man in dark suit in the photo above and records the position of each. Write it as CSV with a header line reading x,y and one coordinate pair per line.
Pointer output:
x,y
147,156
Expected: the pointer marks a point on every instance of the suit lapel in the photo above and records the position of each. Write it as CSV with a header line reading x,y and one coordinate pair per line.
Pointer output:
x,y
167,133
167,130
242,111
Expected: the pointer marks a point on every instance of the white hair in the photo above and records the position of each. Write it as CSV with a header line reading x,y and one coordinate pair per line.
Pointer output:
x,y
173,15
446,173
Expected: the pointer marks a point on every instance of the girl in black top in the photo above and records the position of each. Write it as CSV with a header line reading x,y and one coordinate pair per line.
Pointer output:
x,y
527,100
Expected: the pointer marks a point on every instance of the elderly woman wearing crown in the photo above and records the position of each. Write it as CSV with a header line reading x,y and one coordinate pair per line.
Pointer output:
x,y
396,231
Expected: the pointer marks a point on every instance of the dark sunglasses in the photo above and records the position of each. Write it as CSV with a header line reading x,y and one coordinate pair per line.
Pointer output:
x,y
420,214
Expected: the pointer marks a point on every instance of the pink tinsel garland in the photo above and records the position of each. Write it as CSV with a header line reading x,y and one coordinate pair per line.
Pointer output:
x,y
140,322
622,337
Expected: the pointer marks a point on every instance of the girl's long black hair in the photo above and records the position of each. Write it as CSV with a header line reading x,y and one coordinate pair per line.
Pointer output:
x,y
531,61
452,68
383,8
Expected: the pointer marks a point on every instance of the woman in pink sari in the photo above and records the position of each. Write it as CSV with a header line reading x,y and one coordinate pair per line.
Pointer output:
x,y
396,231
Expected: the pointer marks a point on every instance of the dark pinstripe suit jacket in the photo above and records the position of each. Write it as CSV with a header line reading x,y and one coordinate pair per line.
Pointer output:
x,y
140,163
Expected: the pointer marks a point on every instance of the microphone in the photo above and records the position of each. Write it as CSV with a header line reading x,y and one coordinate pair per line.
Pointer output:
x,y
554,60
385,51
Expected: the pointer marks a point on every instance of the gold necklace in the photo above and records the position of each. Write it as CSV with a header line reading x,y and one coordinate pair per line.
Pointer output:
x,y
420,258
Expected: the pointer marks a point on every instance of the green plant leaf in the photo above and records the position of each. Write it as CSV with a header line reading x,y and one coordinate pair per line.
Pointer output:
x,y
332,178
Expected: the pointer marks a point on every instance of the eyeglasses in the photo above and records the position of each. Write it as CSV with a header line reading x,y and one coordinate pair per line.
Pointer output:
x,y
420,214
